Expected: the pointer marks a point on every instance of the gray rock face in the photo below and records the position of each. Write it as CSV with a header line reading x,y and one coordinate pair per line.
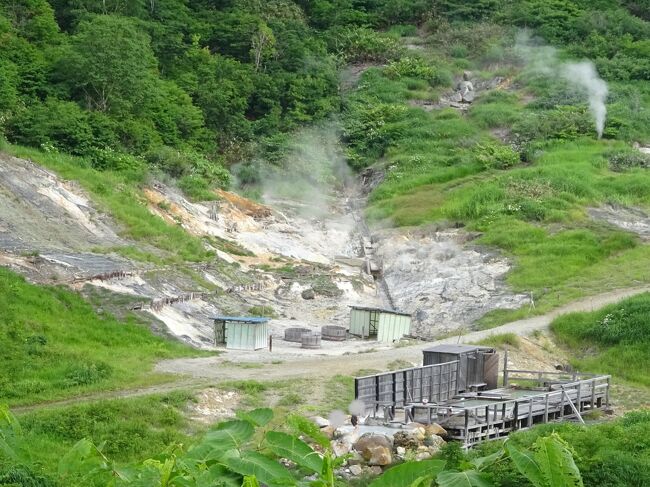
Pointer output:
x,y
630,219
445,283
308,294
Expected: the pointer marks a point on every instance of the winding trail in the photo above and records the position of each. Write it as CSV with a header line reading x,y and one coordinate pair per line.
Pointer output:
x,y
202,372
327,366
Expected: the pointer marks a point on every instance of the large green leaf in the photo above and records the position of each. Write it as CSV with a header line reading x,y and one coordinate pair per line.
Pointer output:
x,y
526,464
556,462
406,474
227,436
267,471
296,450
83,458
259,417
467,478
309,428
250,481
482,462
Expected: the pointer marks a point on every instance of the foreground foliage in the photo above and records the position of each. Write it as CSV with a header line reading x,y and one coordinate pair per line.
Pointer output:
x,y
245,452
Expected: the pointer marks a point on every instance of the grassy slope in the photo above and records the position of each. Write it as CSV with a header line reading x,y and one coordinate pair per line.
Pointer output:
x,y
131,430
120,195
535,212
55,345
613,340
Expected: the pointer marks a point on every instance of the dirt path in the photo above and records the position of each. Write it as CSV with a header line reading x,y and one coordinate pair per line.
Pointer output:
x,y
325,366
202,372
182,384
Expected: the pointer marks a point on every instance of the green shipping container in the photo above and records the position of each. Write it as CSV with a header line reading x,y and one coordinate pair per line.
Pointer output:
x,y
241,333
383,324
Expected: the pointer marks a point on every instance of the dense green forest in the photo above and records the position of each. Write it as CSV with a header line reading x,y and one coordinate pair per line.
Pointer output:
x,y
185,87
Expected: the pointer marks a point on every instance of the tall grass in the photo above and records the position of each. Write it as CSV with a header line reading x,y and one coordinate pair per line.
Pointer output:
x,y
613,340
54,345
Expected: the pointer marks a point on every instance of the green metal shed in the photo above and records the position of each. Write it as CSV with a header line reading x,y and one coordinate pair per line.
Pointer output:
x,y
383,324
241,333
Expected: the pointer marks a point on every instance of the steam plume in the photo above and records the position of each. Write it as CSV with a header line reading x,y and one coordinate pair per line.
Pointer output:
x,y
584,75
543,60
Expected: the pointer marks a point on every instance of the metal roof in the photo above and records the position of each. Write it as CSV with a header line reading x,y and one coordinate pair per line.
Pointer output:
x,y
456,349
256,320
380,310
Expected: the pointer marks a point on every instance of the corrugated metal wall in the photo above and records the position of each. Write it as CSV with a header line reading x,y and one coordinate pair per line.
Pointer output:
x,y
390,327
393,327
359,322
246,336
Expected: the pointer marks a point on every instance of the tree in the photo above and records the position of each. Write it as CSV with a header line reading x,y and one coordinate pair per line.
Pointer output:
x,y
111,66
263,45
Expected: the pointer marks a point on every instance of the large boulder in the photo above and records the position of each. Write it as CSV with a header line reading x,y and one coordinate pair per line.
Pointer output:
x,y
403,439
435,429
308,294
375,449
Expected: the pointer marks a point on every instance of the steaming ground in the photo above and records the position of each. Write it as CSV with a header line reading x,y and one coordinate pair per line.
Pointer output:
x,y
581,76
51,233
444,281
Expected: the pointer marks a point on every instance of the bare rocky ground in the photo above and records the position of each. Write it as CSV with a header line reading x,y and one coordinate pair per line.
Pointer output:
x,y
630,219
442,280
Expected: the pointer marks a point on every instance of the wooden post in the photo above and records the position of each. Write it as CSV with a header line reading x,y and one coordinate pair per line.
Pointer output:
x,y
562,404
546,408
579,397
515,413
505,369
270,343
466,425
394,378
607,395
376,393
405,387
593,394
530,412
503,414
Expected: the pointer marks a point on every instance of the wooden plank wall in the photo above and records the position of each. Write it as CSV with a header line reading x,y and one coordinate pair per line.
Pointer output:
x,y
436,383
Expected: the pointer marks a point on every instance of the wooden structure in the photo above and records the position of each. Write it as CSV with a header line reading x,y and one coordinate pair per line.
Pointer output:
x,y
295,334
334,333
478,367
382,324
310,339
457,396
475,417
241,333
398,388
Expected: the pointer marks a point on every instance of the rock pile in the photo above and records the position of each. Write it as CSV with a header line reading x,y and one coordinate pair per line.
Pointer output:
x,y
369,452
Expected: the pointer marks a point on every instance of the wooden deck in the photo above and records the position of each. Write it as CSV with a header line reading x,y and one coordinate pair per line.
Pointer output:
x,y
496,413
429,394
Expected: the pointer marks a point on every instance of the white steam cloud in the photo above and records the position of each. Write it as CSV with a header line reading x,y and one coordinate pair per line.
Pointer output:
x,y
581,76
584,75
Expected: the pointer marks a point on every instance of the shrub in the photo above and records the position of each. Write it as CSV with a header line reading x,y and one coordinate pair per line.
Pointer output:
x,y
85,374
108,159
59,124
563,123
359,44
413,67
496,156
620,161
